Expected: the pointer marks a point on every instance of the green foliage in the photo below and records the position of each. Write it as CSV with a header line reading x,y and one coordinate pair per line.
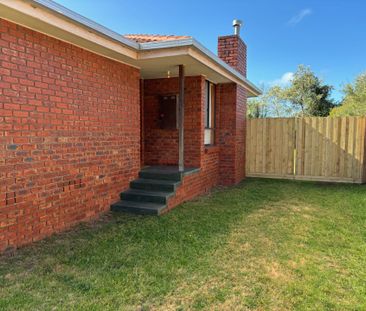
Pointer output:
x,y
257,108
270,104
354,102
306,95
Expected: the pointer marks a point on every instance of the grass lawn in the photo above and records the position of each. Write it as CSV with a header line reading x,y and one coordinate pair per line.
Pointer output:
x,y
263,245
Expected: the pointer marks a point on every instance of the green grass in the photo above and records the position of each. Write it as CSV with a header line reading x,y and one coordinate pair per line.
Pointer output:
x,y
264,245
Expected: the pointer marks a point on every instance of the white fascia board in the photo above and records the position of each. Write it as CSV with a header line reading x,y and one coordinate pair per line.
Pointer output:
x,y
194,43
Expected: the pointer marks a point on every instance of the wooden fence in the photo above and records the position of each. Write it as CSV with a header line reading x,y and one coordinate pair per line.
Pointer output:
x,y
325,149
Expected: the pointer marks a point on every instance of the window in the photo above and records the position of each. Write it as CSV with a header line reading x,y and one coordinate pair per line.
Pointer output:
x,y
210,114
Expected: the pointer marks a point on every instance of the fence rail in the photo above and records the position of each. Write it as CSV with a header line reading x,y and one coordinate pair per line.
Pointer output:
x,y
325,149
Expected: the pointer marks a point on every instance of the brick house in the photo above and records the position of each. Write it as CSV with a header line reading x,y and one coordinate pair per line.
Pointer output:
x,y
86,113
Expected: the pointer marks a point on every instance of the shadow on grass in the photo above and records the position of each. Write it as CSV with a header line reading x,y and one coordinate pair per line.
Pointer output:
x,y
139,255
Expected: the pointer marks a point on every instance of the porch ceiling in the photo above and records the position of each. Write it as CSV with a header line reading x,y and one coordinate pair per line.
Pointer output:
x,y
159,68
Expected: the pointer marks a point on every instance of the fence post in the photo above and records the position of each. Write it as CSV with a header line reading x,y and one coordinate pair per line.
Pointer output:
x,y
364,152
295,146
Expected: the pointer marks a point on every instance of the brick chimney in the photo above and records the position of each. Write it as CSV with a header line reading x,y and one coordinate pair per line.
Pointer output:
x,y
232,50
232,99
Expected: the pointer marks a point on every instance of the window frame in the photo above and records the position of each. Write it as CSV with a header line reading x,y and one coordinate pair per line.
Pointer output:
x,y
210,113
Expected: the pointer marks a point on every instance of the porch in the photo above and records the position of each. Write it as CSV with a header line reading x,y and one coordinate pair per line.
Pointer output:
x,y
189,142
172,117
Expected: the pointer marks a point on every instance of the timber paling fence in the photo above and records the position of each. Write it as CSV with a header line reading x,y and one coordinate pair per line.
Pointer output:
x,y
310,148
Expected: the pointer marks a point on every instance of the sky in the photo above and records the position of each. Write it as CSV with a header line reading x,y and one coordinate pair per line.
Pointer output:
x,y
327,35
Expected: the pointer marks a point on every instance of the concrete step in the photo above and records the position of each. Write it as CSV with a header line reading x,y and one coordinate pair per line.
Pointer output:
x,y
150,193
155,184
160,175
138,195
142,208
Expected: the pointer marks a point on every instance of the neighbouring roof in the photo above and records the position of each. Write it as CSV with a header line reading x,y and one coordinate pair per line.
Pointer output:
x,y
142,38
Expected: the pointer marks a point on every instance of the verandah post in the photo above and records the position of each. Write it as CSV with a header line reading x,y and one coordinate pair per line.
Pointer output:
x,y
181,118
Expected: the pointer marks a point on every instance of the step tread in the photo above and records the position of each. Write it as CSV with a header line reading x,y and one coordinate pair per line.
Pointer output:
x,y
161,169
169,170
149,192
139,207
160,175
156,181
148,205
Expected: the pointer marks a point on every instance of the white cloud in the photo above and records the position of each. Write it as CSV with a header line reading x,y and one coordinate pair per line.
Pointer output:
x,y
284,80
299,17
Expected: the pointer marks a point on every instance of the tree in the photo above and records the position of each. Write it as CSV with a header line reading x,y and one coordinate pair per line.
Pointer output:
x,y
269,104
257,108
308,94
279,105
354,102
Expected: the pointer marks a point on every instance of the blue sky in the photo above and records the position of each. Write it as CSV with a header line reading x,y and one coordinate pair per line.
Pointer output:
x,y
327,35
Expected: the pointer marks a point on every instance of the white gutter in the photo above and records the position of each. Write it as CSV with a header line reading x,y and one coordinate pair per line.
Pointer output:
x,y
190,42
86,22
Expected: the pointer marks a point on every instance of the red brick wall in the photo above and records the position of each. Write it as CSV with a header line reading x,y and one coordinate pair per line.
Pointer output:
x,y
161,145
232,105
227,132
199,183
69,134
231,133
240,128
233,51
208,176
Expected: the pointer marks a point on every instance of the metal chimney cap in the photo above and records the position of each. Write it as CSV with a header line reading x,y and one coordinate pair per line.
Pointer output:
x,y
237,23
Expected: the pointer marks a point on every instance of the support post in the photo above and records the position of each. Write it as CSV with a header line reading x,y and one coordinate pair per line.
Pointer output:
x,y
181,118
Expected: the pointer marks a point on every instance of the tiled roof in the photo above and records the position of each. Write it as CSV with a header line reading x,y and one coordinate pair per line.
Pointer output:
x,y
141,38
